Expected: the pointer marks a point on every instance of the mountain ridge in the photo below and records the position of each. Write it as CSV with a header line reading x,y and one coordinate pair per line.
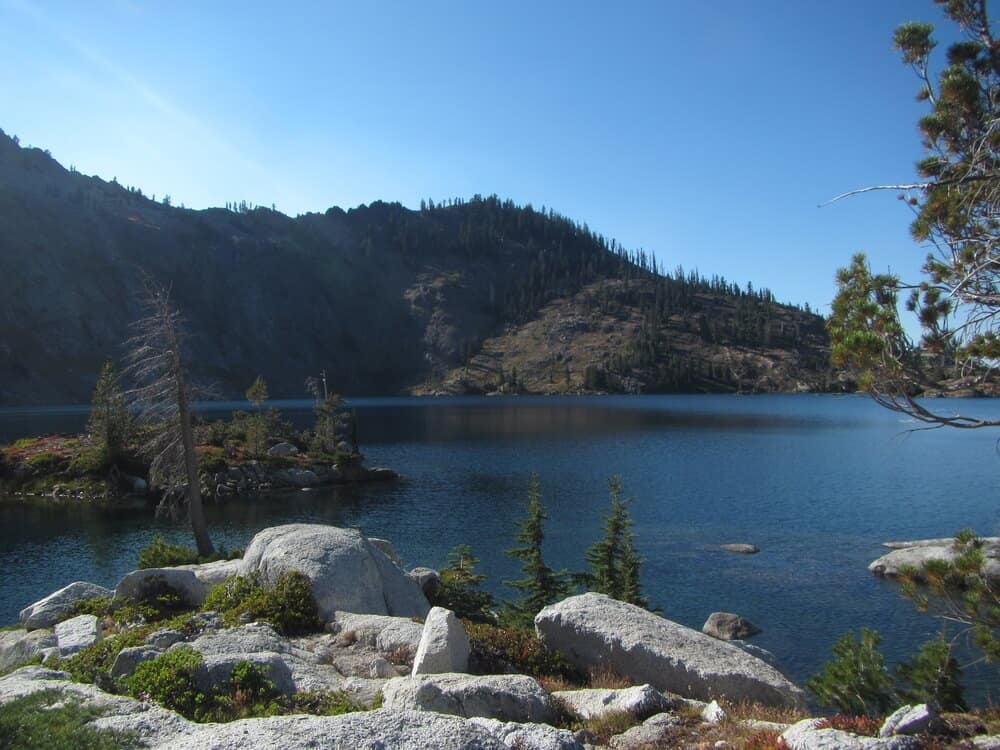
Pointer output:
x,y
386,299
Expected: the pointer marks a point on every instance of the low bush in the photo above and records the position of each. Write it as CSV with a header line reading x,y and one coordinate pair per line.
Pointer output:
x,y
51,720
42,464
93,663
169,679
92,459
460,589
288,604
865,726
248,692
160,554
855,681
496,650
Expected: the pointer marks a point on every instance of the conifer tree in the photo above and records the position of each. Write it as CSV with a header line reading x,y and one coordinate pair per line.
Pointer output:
x,y
614,563
110,423
540,585
257,394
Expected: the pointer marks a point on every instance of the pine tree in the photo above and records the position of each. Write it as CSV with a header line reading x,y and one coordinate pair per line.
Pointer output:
x,y
540,585
110,423
615,565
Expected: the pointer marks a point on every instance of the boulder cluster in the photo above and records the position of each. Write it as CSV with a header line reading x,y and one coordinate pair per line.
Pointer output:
x,y
385,647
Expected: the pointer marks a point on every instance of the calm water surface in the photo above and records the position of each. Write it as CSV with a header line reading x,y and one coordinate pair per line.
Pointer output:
x,y
817,482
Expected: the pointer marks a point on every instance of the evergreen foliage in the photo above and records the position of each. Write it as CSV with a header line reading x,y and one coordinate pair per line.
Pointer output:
x,y
934,677
856,682
257,429
288,604
109,424
52,720
615,564
460,589
540,585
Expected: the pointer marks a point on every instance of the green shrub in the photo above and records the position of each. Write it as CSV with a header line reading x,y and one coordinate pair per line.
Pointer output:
x,y
496,650
248,692
169,679
933,677
460,588
51,720
288,604
211,463
160,554
855,681
93,663
91,460
43,464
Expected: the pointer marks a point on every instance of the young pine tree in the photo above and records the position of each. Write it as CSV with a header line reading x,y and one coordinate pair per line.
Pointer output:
x,y
615,565
257,434
540,585
110,423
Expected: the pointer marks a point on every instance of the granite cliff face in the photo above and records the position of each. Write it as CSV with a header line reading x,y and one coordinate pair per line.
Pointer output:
x,y
386,299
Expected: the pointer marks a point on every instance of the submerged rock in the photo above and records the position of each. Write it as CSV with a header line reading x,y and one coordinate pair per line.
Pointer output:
x,y
741,549
596,630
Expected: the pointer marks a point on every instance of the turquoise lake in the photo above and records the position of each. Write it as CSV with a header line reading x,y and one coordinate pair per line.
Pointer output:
x,y
817,482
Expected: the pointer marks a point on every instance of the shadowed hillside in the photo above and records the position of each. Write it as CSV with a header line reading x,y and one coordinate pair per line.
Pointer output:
x,y
388,300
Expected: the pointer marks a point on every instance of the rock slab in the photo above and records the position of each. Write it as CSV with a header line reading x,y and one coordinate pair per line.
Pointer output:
x,y
516,698
596,630
807,735
46,612
19,646
641,701
444,645
910,720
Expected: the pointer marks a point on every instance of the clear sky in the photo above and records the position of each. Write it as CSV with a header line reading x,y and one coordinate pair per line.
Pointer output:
x,y
706,132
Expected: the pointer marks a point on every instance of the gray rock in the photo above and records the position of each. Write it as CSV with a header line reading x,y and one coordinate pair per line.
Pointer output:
x,y
910,720
347,571
46,612
595,630
130,658
216,669
77,633
444,645
713,713
145,585
986,742
918,553
386,546
740,549
283,450
640,701
504,697
213,573
297,477
387,635
529,736
382,669
761,653
164,639
368,730
298,670
428,579
727,626
19,646
648,734
805,735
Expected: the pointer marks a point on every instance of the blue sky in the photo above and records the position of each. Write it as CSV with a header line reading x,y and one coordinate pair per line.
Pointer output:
x,y
707,133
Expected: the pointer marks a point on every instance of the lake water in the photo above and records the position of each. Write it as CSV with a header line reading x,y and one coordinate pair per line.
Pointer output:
x,y
817,482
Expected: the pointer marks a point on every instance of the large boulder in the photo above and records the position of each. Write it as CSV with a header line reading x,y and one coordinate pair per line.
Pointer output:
x,y
46,612
148,584
727,626
444,644
640,701
365,730
130,658
347,571
505,697
808,735
596,630
19,646
76,633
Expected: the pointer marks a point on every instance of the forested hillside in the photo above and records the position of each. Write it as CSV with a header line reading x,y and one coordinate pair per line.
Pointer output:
x,y
387,300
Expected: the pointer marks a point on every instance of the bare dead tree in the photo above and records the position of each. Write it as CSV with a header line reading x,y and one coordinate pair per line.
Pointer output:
x,y
161,399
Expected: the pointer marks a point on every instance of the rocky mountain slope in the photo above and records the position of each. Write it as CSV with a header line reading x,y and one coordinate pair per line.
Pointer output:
x,y
387,300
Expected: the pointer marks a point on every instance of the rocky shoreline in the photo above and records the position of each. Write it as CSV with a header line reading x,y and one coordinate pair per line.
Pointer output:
x,y
407,667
